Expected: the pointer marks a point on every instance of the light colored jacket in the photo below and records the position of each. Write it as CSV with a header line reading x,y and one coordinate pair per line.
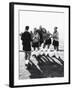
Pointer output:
x,y
36,37
56,36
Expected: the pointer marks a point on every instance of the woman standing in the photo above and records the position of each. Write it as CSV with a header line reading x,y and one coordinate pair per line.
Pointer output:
x,y
35,41
56,39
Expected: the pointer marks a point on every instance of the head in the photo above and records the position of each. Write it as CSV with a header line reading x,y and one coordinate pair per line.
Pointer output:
x,y
27,28
55,29
40,27
34,29
48,32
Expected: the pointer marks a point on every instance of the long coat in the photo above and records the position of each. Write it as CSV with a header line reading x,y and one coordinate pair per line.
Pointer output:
x,y
26,41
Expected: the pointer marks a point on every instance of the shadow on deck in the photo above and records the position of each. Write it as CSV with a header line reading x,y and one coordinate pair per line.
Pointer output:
x,y
48,68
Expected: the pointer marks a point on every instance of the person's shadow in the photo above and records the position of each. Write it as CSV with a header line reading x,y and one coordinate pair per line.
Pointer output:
x,y
48,69
35,72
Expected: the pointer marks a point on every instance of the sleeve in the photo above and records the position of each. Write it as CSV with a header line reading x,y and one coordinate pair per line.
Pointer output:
x,y
22,37
30,38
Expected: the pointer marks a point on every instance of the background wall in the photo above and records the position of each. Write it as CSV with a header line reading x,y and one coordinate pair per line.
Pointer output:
x,y
47,20
4,43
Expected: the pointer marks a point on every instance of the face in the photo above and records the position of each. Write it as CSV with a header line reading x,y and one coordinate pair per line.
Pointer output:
x,y
40,27
35,31
48,31
55,29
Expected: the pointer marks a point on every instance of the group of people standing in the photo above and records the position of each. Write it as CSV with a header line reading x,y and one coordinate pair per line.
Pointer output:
x,y
40,37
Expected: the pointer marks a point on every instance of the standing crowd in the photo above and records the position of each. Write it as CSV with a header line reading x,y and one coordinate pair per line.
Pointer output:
x,y
37,40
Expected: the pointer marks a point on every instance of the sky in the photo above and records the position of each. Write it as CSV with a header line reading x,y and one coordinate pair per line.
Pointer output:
x,y
48,20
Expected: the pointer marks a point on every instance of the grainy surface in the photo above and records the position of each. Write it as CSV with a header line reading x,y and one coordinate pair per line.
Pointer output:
x,y
41,68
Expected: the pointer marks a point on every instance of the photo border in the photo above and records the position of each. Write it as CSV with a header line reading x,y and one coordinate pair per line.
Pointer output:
x,y
11,42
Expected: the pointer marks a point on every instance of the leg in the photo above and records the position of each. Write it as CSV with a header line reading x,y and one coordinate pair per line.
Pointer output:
x,y
34,48
57,45
54,44
29,54
57,48
44,45
54,47
26,58
38,48
25,55
48,46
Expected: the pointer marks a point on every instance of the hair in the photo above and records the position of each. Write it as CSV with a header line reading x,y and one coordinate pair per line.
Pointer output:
x,y
55,27
27,28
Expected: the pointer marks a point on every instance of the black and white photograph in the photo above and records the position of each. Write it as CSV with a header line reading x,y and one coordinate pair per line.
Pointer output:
x,y
41,44
41,48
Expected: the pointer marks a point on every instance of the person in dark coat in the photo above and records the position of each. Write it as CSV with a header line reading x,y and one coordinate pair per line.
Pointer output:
x,y
26,42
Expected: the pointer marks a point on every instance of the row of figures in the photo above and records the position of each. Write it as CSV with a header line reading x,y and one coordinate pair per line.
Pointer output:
x,y
41,35
38,43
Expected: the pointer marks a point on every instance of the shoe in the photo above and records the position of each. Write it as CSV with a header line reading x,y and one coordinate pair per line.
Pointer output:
x,y
27,65
53,56
47,54
27,61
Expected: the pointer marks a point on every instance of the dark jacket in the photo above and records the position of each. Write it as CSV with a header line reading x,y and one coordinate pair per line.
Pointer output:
x,y
26,41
